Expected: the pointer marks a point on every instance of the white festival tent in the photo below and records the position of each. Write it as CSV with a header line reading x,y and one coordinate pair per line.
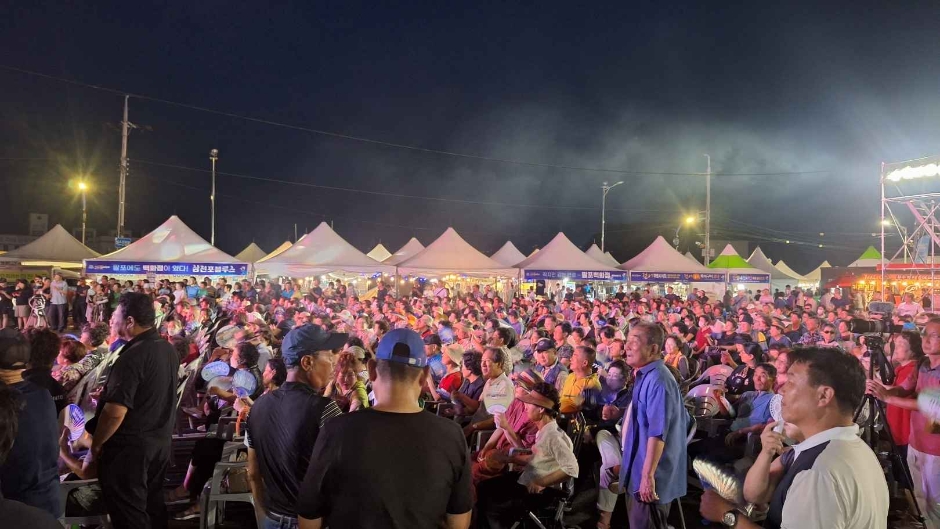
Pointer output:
x,y
171,249
277,251
508,255
612,258
661,263
604,258
560,259
55,248
321,251
689,256
379,253
785,268
778,278
251,253
451,254
412,247
816,275
740,272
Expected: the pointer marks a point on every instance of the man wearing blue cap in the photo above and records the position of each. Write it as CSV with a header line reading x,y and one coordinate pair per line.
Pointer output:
x,y
284,424
391,465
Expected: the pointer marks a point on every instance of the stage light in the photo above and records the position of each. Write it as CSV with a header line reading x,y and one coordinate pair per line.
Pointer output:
x,y
912,173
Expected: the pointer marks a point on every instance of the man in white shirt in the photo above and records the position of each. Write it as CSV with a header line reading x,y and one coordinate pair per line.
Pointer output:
x,y
908,307
831,479
57,311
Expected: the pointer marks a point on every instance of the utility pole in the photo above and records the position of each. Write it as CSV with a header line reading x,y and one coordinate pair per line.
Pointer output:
x,y
213,155
708,211
606,189
125,130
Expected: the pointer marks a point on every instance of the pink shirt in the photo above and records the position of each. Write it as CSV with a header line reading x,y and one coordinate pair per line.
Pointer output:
x,y
921,439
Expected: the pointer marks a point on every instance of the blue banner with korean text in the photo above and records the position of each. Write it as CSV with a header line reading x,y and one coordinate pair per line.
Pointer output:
x,y
676,277
749,278
575,275
177,269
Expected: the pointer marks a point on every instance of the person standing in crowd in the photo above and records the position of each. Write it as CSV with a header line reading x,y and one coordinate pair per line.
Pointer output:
x,y
44,345
392,465
653,472
135,418
79,303
284,424
923,452
29,474
57,311
12,512
829,479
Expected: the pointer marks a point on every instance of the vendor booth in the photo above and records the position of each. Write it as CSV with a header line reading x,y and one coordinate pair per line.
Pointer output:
x,y
740,274
779,279
379,253
508,255
561,261
319,252
54,250
251,254
604,258
661,264
412,247
173,249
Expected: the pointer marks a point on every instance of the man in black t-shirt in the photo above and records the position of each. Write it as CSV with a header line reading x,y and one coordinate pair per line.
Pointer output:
x,y
135,415
391,465
44,346
284,424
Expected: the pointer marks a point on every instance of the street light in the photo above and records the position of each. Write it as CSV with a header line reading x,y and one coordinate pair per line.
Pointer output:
x,y
708,210
83,187
606,188
213,155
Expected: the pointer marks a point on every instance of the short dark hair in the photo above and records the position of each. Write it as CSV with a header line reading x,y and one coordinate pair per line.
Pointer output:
x,y
280,371
9,420
608,332
505,334
354,341
565,327
98,331
73,350
840,371
589,352
181,344
383,325
579,331
248,354
44,346
768,368
551,393
138,306
472,361
397,371
618,364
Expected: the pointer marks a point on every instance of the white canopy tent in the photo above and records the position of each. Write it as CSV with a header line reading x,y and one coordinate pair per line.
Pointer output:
x,y
508,255
661,263
451,254
741,274
319,252
251,253
816,275
379,253
560,259
277,251
410,249
55,248
870,258
778,278
604,258
689,256
171,249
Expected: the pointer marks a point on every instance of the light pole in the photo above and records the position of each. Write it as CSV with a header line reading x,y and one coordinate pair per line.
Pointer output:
x,y
83,187
213,155
690,220
708,210
606,188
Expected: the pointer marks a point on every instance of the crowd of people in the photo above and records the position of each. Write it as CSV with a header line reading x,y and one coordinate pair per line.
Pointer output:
x,y
456,407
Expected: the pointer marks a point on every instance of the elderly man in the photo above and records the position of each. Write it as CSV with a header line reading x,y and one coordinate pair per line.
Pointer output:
x,y
653,472
831,478
582,388
547,364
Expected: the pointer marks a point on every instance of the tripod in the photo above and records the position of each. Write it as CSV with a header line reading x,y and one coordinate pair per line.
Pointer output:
x,y
876,408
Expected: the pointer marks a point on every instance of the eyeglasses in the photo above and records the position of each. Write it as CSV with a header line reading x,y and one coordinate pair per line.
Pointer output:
x,y
828,332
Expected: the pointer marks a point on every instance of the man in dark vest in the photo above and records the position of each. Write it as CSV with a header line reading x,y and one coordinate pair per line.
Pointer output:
x,y
831,478
284,424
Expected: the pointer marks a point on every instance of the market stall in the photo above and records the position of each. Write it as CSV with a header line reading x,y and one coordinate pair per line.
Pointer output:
x,y
779,279
319,252
662,265
379,253
561,261
252,253
740,274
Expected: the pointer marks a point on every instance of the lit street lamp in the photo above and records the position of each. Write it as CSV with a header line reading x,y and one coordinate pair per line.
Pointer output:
x,y
606,188
83,187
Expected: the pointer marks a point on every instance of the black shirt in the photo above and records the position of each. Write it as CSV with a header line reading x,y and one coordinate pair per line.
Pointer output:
x,y
144,379
23,295
380,469
282,427
30,473
43,378
16,514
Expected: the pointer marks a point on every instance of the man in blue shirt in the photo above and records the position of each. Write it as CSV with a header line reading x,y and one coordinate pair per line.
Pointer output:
x,y
432,348
653,473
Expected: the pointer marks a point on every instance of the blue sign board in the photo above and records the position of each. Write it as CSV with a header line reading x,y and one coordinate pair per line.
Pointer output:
x,y
749,278
576,275
120,242
674,277
174,269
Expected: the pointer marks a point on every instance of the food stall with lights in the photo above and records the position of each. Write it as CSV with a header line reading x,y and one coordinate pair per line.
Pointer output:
x,y
660,265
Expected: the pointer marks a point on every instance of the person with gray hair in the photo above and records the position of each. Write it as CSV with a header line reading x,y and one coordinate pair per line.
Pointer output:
x,y
653,472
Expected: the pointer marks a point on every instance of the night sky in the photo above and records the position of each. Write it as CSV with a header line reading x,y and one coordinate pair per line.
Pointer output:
x,y
820,92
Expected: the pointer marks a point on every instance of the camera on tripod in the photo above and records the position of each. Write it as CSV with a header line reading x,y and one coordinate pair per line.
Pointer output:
x,y
880,323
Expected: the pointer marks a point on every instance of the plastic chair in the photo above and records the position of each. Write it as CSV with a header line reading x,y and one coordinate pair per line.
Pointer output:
x,y
213,500
65,488
553,515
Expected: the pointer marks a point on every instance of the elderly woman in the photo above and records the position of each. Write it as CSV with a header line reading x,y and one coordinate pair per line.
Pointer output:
x,y
71,352
503,500
495,366
674,356
346,389
453,354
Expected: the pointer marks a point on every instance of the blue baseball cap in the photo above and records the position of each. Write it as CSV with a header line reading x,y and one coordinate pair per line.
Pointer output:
x,y
307,340
403,346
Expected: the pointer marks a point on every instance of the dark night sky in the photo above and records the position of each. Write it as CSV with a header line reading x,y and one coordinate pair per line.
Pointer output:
x,y
639,87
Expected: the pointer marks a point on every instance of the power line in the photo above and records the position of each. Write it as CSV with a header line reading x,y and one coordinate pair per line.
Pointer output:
x,y
396,195
386,143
